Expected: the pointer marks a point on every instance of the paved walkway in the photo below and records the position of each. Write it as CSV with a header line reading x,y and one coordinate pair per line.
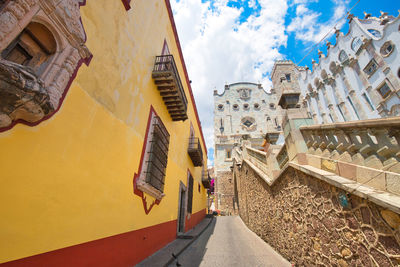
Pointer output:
x,y
228,242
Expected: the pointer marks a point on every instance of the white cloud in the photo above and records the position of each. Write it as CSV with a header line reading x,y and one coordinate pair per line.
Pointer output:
x,y
218,49
306,26
252,3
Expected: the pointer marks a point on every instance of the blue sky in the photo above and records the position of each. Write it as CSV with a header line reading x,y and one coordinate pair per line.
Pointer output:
x,y
297,49
227,41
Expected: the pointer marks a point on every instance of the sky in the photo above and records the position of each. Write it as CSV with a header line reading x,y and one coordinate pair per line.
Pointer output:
x,y
227,41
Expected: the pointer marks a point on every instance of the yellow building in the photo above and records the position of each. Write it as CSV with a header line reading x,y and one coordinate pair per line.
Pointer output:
x,y
101,163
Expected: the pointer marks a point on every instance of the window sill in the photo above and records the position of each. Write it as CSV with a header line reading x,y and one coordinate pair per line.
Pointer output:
x,y
149,189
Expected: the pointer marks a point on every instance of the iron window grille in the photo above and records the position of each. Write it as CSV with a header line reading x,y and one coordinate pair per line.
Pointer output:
x,y
152,176
158,155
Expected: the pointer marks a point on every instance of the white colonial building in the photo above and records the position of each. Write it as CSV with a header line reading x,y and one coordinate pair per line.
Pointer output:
x,y
359,78
242,110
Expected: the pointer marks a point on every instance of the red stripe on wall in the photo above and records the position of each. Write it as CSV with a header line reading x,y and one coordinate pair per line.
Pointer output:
x,y
125,249
195,218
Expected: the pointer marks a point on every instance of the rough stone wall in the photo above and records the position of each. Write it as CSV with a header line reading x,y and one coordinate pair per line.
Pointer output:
x,y
303,219
225,193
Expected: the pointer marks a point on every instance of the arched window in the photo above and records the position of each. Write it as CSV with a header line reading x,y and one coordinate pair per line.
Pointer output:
x,y
235,107
246,106
32,48
356,44
256,106
375,33
343,56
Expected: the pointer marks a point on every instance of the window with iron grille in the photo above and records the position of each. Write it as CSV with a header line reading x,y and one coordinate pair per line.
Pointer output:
x,y
152,176
158,155
190,194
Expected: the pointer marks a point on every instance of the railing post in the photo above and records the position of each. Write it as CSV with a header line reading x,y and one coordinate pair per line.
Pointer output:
x,y
294,140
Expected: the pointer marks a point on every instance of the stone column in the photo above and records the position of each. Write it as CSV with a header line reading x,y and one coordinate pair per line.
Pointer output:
x,y
311,109
340,102
359,108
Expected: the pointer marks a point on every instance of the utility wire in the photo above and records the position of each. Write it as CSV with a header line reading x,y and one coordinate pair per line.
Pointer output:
x,y
323,38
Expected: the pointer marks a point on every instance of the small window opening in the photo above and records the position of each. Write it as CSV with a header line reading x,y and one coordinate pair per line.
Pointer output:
x,y
384,90
32,48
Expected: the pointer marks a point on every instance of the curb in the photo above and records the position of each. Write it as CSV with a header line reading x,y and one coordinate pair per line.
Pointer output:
x,y
185,247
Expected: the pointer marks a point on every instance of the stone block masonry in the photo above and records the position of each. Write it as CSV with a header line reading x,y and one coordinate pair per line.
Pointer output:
x,y
226,201
311,222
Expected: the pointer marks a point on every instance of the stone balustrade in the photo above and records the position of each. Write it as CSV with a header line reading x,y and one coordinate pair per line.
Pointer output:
x,y
237,155
371,143
258,158
361,157
282,157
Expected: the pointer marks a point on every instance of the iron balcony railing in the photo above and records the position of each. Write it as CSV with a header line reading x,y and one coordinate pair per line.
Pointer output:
x,y
195,152
206,179
166,77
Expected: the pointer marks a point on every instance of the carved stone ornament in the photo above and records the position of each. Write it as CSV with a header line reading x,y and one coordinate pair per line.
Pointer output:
x,y
244,93
42,45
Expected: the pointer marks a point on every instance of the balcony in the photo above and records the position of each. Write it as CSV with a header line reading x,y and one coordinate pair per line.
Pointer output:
x,y
195,152
166,77
206,179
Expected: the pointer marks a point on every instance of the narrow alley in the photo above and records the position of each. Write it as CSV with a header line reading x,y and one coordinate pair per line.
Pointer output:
x,y
228,242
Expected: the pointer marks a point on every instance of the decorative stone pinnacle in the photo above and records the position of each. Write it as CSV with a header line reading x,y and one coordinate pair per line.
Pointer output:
x,y
320,54
383,14
350,17
337,32
366,15
328,44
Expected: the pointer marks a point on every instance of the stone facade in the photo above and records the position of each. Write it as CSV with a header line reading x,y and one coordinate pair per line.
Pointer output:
x,y
312,223
359,78
243,109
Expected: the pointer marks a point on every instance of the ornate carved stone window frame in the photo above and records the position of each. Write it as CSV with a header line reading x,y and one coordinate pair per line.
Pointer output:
x,y
368,69
30,97
381,85
384,48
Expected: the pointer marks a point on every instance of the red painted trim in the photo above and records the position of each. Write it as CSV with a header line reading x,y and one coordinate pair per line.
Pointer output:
x,y
171,18
136,191
127,4
125,249
195,218
73,76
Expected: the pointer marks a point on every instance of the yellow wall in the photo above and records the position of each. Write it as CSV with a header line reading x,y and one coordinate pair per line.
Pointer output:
x,y
69,179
